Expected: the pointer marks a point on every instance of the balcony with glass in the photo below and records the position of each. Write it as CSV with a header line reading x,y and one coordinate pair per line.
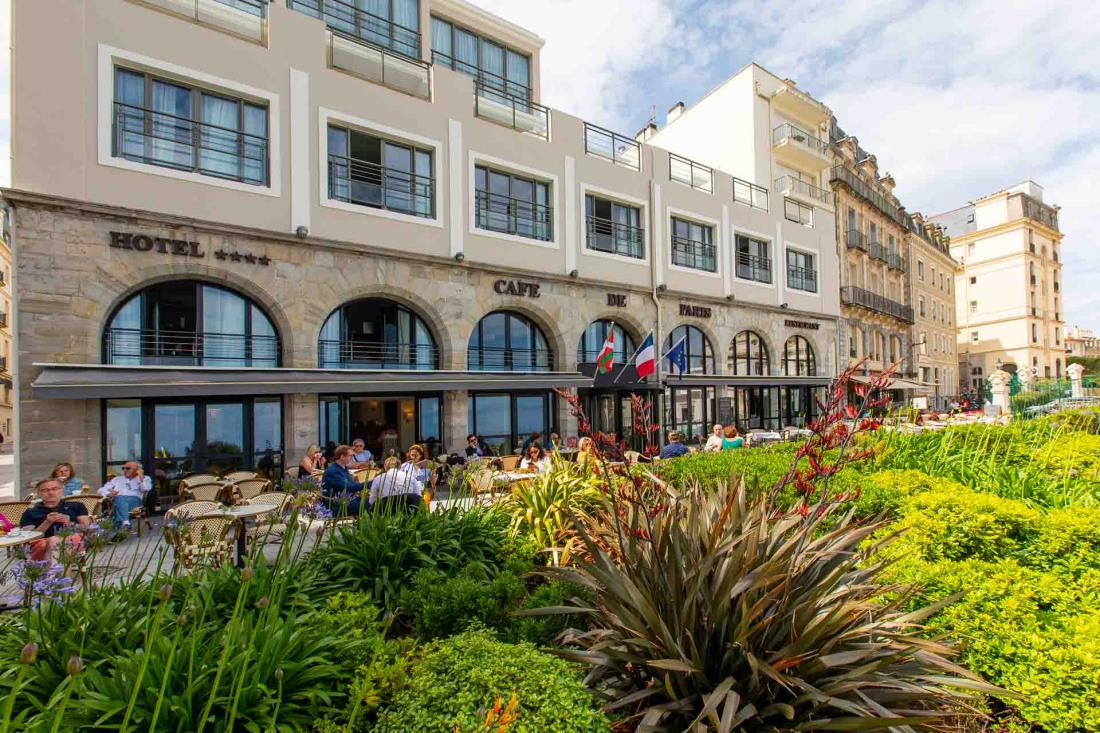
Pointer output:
x,y
801,273
612,147
690,173
800,147
750,194
852,295
791,186
380,174
693,246
753,261
390,25
613,228
244,18
511,204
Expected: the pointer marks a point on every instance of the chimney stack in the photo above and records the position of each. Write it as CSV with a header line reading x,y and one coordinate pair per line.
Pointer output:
x,y
673,112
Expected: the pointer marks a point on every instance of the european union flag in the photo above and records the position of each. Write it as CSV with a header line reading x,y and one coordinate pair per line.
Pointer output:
x,y
677,355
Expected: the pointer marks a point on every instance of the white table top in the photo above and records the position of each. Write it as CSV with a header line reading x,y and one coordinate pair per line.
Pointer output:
x,y
20,536
241,511
513,476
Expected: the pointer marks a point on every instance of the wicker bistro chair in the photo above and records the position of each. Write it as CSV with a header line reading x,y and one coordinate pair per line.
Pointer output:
x,y
509,463
91,502
482,482
251,488
196,535
212,491
13,511
197,478
237,476
270,526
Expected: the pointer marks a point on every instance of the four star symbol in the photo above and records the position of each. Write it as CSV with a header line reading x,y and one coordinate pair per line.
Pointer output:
x,y
250,258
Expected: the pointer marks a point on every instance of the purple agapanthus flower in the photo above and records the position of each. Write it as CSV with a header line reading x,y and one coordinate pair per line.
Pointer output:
x,y
43,580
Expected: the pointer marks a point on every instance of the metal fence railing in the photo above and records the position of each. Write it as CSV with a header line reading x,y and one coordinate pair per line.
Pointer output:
x,y
499,213
694,254
156,347
612,146
689,172
354,21
363,354
605,235
370,184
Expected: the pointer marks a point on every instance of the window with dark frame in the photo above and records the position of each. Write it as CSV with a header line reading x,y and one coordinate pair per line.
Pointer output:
x,y
693,245
698,351
613,227
798,358
492,65
753,259
798,213
749,355
506,341
174,125
801,272
512,204
380,173
391,24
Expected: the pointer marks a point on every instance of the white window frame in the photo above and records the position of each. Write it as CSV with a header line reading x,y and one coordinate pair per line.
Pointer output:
x,y
671,212
109,57
643,217
326,116
507,166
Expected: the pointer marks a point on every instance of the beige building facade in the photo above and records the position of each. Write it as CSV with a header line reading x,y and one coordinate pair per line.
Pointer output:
x,y
7,414
1008,292
248,229
932,274
1082,342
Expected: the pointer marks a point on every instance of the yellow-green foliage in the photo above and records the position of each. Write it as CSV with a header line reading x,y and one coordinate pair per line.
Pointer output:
x,y
543,507
1077,454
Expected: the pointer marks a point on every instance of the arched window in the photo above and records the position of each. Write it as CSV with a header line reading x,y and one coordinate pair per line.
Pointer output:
x,y
376,333
749,355
798,358
509,342
190,323
700,355
588,348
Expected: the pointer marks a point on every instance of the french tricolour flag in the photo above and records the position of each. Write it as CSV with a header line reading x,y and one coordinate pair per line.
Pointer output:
x,y
645,357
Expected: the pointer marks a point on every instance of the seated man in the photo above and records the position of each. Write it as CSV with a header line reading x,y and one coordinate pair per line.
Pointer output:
x,y
398,484
126,492
361,457
51,515
337,484
675,446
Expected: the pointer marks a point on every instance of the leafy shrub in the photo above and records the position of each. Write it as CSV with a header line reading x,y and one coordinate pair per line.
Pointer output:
x,y
544,631
1068,541
439,606
764,465
1085,420
379,554
719,609
456,680
885,493
544,506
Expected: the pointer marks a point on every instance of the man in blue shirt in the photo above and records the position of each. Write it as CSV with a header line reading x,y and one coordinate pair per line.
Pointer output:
x,y
675,446
339,486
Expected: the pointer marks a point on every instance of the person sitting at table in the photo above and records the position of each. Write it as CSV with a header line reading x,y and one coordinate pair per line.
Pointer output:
x,y
70,484
337,484
397,485
585,452
126,492
476,449
555,442
675,446
535,459
714,442
532,438
361,457
416,463
50,515
312,461
730,439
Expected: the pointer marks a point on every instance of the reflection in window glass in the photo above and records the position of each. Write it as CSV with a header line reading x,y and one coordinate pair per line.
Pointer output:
x,y
124,436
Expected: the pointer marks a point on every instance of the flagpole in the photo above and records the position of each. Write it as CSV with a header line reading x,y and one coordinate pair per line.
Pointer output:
x,y
628,363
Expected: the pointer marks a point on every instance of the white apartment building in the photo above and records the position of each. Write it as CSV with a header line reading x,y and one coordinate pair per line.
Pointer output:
x,y
244,227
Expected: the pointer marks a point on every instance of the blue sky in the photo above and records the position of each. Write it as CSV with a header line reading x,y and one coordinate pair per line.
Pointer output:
x,y
956,98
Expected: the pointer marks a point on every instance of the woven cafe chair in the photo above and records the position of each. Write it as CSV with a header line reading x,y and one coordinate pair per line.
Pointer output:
x,y
206,492
91,502
269,524
251,488
197,478
482,482
237,476
13,511
203,540
509,463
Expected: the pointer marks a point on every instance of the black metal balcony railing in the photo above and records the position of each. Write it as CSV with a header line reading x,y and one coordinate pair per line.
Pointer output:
x,y
789,132
852,295
498,213
502,359
612,146
855,239
153,347
353,21
370,184
785,184
802,278
896,262
878,252
604,235
3,320
694,254
870,195
515,111
749,193
484,78
753,267
359,354
379,64
689,172
158,138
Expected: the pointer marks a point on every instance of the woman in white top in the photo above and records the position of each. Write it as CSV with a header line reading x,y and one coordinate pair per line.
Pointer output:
x,y
535,458
714,442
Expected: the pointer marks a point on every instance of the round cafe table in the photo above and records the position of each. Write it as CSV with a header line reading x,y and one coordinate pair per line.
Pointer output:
x,y
241,514
19,536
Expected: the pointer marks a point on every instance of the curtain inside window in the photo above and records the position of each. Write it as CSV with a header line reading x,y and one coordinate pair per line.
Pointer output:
x,y
223,325
129,115
492,64
441,38
519,76
465,52
171,126
219,153
254,164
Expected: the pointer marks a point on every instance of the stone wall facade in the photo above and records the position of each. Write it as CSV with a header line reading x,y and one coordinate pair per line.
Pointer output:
x,y
70,281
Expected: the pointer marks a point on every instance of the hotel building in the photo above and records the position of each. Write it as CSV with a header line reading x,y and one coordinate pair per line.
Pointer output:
x,y
1082,342
1008,293
6,391
934,362
242,228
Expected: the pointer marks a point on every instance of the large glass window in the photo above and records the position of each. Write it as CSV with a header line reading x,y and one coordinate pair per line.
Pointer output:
x,y
798,358
699,354
749,355
801,272
383,174
172,125
502,420
492,66
798,213
507,341
392,24
508,203
693,245
376,333
613,227
593,338
754,260
387,424
188,323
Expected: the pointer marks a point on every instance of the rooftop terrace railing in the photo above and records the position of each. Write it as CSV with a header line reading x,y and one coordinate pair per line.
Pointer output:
x,y
356,22
611,146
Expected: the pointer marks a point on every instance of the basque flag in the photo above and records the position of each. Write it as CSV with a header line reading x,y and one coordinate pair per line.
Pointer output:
x,y
645,357
677,355
606,358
